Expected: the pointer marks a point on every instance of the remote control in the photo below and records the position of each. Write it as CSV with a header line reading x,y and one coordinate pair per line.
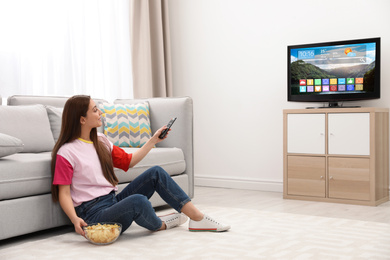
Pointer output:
x,y
165,131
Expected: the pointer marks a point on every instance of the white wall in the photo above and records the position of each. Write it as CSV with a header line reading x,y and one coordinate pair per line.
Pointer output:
x,y
230,56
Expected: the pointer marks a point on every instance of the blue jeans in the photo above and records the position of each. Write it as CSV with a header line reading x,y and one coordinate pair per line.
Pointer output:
x,y
132,203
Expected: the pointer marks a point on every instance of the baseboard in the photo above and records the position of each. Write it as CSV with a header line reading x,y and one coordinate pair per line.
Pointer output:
x,y
237,183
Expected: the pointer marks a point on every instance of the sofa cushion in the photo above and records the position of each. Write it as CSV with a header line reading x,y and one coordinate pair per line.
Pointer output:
x,y
127,125
27,174
170,159
28,123
10,145
55,118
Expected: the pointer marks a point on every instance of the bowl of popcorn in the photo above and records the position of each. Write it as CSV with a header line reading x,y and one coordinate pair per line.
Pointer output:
x,y
103,233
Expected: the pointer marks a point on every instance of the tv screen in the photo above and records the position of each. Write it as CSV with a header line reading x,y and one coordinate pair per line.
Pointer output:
x,y
334,71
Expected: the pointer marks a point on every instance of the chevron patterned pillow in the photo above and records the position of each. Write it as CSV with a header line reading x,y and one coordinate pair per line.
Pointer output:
x,y
127,125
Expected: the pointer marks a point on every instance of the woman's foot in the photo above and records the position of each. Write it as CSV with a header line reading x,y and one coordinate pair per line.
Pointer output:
x,y
173,220
207,224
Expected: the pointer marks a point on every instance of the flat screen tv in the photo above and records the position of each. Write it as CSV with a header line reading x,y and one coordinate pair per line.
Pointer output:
x,y
334,71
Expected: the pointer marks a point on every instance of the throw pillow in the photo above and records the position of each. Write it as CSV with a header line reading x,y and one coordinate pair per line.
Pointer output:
x,y
10,145
55,119
127,125
29,124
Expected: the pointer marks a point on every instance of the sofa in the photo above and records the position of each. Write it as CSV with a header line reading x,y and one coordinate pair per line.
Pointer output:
x,y
29,127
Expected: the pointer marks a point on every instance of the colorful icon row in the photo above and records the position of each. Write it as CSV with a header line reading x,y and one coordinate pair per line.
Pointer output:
x,y
340,81
330,88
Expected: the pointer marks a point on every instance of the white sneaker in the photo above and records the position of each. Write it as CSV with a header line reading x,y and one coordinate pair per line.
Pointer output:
x,y
173,220
207,224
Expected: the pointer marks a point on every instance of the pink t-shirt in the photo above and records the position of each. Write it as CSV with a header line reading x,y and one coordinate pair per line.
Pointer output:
x,y
78,165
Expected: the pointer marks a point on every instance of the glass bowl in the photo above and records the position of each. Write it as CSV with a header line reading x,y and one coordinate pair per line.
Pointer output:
x,y
102,233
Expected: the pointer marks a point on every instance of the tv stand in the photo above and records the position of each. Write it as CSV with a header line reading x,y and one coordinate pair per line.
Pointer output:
x,y
333,105
336,155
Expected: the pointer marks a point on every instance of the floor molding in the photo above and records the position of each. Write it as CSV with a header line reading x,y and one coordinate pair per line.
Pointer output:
x,y
237,183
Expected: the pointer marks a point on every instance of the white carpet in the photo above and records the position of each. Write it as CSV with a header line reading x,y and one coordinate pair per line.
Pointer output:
x,y
254,235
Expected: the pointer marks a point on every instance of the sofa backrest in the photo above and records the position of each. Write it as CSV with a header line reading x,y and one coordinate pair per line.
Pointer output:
x,y
46,125
19,100
30,124
54,101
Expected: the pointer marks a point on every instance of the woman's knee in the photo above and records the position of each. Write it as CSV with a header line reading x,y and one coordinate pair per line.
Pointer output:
x,y
139,200
158,171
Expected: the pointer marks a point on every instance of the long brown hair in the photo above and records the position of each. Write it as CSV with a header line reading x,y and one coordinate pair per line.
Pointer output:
x,y
76,107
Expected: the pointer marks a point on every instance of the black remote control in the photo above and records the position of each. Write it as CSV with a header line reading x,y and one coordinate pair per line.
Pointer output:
x,y
165,131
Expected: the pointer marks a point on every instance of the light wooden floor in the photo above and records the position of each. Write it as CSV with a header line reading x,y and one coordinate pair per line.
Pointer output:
x,y
247,199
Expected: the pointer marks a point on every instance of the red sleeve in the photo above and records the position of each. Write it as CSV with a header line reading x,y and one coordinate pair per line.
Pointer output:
x,y
120,158
63,172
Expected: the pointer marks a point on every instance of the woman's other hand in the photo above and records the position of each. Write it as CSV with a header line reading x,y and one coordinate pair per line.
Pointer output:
x,y
79,223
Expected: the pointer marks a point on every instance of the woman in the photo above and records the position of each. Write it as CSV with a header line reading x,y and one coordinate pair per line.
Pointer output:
x,y
85,184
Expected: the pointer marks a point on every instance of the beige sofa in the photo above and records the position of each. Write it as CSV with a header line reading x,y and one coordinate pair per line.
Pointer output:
x,y
28,127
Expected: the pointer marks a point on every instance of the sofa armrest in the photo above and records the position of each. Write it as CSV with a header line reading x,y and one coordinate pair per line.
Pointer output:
x,y
181,136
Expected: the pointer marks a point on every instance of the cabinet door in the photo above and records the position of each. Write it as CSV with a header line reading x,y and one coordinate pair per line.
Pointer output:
x,y
349,178
306,176
306,133
349,133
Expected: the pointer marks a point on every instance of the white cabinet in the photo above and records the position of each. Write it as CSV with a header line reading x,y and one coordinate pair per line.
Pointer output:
x,y
306,133
336,155
349,133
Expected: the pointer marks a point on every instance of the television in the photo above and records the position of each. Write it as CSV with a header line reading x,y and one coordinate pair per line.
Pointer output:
x,y
334,71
